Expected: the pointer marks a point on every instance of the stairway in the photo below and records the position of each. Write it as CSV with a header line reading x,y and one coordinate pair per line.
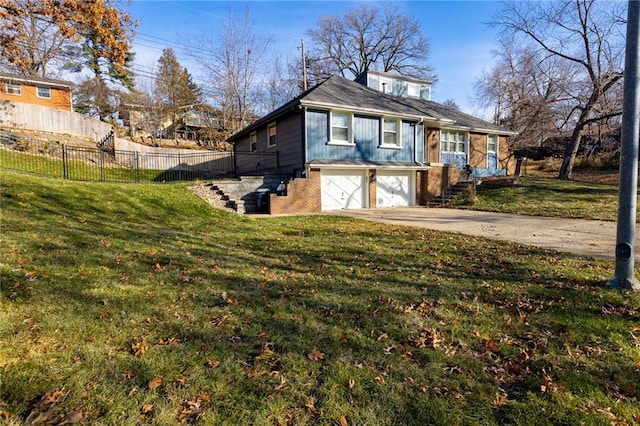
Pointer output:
x,y
240,194
450,193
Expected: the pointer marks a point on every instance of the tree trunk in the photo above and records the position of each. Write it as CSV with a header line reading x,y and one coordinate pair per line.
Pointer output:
x,y
570,152
576,137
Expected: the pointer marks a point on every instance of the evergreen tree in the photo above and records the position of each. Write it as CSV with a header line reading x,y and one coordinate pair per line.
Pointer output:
x,y
174,90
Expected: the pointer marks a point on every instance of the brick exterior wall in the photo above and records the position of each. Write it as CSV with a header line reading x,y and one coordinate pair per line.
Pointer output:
x,y
372,189
440,177
432,146
60,98
478,150
303,196
505,157
422,193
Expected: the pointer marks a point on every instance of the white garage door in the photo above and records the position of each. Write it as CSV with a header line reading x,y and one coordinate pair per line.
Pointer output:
x,y
342,189
394,188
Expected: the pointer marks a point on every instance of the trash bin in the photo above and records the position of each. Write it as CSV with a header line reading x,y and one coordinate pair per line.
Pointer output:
x,y
262,200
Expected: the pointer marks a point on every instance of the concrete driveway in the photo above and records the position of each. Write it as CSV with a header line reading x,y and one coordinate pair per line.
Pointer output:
x,y
584,237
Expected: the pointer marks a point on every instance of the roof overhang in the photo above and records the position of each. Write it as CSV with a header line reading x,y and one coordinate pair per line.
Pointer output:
x,y
366,111
44,82
357,164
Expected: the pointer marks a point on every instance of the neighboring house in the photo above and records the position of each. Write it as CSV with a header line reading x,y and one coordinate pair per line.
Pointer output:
x,y
374,142
37,91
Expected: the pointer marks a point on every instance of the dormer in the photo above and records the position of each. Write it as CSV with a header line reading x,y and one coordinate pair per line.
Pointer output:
x,y
396,85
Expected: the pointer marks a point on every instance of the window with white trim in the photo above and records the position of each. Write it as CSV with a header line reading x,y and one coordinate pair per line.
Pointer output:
x,y
339,126
271,134
253,141
13,89
453,142
43,92
492,143
390,133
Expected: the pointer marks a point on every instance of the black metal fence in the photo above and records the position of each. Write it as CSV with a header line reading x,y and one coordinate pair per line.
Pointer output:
x,y
108,165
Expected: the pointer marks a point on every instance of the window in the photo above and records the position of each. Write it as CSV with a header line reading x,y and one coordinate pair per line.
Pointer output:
x,y
492,143
253,142
13,89
413,90
339,127
453,146
44,92
390,133
271,134
452,141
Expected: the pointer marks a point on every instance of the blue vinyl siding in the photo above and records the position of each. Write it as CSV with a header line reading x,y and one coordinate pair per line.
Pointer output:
x,y
366,135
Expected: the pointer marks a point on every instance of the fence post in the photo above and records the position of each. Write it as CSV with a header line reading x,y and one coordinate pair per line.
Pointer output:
x,y
179,168
64,162
102,178
137,167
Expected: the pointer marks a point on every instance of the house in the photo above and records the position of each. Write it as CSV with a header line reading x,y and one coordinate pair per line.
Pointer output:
x,y
37,91
375,142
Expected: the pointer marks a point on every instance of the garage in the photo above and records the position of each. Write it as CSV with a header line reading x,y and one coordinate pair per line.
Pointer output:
x,y
342,189
394,188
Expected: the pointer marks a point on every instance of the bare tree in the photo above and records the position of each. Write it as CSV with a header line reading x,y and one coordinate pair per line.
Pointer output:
x,y
232,65
280,86
527,95
367,37
585,33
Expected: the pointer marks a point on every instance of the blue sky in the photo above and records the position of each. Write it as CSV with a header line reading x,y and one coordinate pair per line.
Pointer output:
x,y
460,41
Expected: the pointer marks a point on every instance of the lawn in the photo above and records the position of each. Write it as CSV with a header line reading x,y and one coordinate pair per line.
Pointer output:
x,y
140,304
541,196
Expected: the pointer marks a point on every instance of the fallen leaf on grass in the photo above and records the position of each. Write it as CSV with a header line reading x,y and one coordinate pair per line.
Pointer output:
x,y
138,347
155,382
311,406
266,353
230,300
191,411
146,411
74,417
315,355
211,364
343,421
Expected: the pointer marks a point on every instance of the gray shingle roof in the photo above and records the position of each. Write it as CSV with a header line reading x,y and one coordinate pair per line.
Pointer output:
x,y
339,92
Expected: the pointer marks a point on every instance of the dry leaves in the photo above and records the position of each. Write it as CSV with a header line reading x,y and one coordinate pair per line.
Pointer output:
x,y
315,355
192,410
48,410
138,346
156,382
146,411
211,364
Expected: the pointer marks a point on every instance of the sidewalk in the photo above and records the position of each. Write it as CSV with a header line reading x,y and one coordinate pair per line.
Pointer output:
x,y
583,237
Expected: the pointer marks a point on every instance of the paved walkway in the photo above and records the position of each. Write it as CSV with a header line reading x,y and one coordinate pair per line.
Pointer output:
x,y
584,237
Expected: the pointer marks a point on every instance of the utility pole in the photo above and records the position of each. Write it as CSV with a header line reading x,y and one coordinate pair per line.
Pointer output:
x,y
627,191
304,67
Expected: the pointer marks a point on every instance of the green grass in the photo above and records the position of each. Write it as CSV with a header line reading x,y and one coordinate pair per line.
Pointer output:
x,y
87,170
139,304
538,196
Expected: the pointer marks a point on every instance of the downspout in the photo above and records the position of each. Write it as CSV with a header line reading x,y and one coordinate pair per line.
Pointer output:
x,y
415,142
304,140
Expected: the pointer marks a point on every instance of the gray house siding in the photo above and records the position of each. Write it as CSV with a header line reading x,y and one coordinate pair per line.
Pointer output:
x,y
289,142
366,136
